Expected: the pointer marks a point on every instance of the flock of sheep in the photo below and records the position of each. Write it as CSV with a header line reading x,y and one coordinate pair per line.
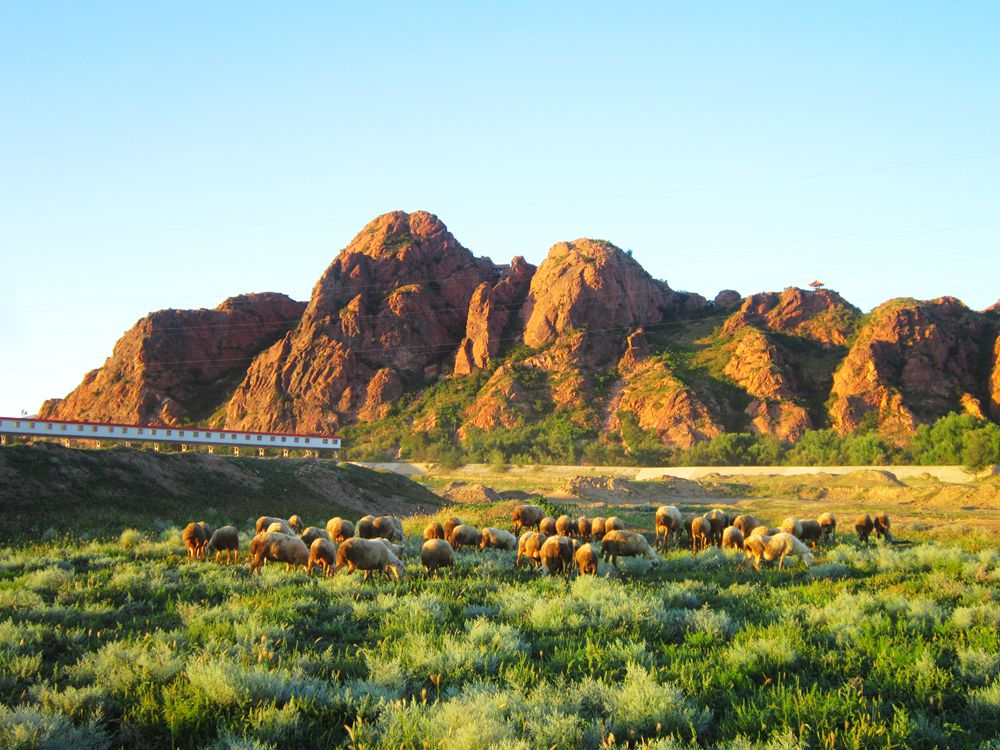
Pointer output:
x,y
552,545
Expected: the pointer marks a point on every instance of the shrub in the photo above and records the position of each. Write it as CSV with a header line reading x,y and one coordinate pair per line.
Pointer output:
x,y
28,728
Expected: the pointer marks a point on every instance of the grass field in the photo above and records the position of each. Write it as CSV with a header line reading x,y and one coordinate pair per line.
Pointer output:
x,y
123,642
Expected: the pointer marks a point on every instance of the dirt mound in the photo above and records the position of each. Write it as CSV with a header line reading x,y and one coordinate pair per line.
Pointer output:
x,y
462,492
870,478
616,490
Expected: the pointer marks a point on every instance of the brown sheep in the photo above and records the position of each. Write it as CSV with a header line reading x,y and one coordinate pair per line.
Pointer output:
x,y
777,547
277,547
746,524
828,523
547,526
614,523
368,555
497,539
586,560
565,526
689,522
389,527
436,554
224,539
881,521
764,531
196,536
339,529
434,530
397,549
322,552
449,526
295,523
280,527
864,525
668,521
732,538
792,525
701,533
264,521
527,516
583,527
597,528
617,543
556,554
529,545
365,528
465,536
312,534
810,532
718,520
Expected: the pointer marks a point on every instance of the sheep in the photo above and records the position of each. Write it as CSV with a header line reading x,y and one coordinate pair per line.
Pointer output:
x,y
732,538
583,527
811,532
465,536
389,527
701,533
396,549
339,529
312,534
528,546
365,528
777,547
436,554
718,520
668,521
828,523
596,528
280,527
434,530
746,524
564,526
881,521
617,543
527,515
586,559
295,522
449,526
864,525
547,526
764,531
264,521
792,525
277,547
497,539
322,552
367,555
196,535
688,523
556,554
224,539
614,523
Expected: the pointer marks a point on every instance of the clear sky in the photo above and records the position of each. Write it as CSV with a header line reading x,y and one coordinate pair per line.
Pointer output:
x,y
160,155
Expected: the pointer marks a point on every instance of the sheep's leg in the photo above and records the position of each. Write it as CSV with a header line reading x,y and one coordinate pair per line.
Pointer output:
x,y
781,560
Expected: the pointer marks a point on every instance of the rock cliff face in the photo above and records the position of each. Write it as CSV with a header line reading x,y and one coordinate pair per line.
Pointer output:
x,y
821,315
178,364
912,362
994,388
391,309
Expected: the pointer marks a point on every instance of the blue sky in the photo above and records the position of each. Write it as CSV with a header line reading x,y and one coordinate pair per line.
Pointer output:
x,y
174,154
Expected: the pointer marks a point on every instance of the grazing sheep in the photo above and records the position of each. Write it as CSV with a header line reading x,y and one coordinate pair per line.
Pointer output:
x,y
614,523
764,531
617,543
339,529
597,528
583,527
746,524
196,536
464,536
777,547
295,522
497,539
565,526
527,515
556,554
586,559
313,533
689,522
436,554
264,521
529,545
277,547
396,549
225,539
792,525
828,523
389,527
864,526
368,555
434,530
718,520
449,526
280,527
365,528
701,533
881,521
732,538
547,526
322,552
668,521
811,532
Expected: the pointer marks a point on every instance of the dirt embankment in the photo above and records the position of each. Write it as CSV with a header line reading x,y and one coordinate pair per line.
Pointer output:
x,y
620,491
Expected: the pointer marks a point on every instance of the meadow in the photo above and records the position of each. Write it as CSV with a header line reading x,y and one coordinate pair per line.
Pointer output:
x,y
123,642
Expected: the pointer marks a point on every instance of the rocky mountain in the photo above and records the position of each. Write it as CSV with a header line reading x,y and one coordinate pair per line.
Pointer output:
x,y
408,333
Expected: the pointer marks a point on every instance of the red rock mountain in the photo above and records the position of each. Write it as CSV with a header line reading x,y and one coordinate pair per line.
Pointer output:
x,y
588,338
